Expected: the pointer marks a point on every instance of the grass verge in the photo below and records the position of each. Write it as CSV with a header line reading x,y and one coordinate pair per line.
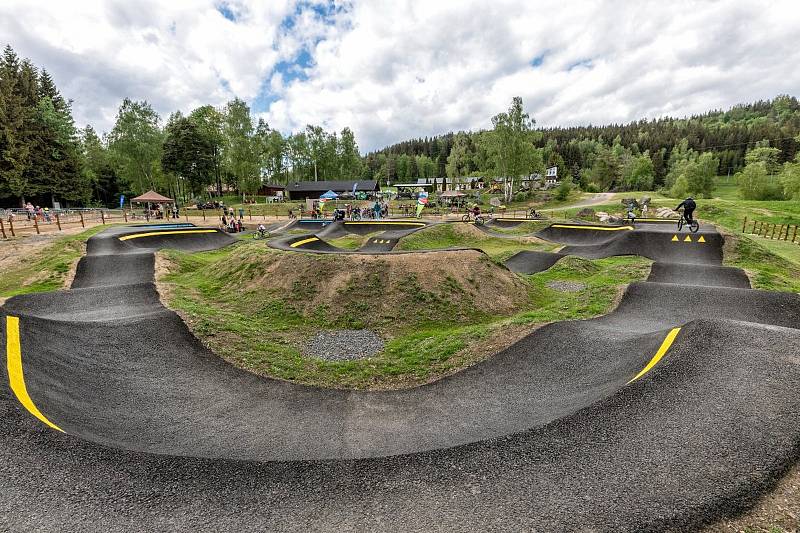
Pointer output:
x,y
46,269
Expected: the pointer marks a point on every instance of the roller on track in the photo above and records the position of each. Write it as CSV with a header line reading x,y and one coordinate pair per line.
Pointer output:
x,y
657,415
531,262
391,231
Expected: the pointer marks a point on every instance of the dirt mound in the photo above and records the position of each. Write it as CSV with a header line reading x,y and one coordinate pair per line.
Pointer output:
x,y
381,292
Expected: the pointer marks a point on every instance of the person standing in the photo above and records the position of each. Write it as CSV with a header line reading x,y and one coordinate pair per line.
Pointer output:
x,y
377,210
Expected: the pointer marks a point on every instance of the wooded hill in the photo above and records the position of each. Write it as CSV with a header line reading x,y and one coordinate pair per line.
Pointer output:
x,y
580,150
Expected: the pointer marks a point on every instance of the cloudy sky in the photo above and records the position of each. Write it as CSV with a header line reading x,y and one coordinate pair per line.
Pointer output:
x,y
399,69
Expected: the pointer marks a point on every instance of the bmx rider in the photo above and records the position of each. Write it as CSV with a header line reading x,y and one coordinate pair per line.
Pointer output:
x,y
689,206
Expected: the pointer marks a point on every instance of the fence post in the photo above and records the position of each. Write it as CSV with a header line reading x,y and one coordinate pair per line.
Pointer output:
x,y
744,224
58,222
754,227
3,228
250,212
795,233
11,227
125,215
82,223
772,235
36,225
780,232
204,214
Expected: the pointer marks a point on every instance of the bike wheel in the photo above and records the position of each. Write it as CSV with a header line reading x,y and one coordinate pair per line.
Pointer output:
x,y
465,218
694,226
479,221
255,235
680,224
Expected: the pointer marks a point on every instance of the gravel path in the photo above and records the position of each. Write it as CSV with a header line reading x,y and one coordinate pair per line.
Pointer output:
x,y
344,344
566,286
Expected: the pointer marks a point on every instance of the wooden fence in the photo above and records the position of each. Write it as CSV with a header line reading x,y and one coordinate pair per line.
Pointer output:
x,y
771,230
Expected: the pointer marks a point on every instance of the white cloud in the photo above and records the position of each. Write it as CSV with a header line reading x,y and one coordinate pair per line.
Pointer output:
x,y
392,70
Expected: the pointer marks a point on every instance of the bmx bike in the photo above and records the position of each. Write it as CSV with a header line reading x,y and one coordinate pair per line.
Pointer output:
x,y
259,234
693,225
480,220
534,215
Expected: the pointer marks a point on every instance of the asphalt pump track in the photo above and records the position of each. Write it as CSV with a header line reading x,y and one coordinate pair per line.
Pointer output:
x,y
674,410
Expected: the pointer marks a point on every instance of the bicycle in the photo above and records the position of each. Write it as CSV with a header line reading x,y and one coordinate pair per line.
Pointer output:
x,y
533,215
693,226
261,234
480,220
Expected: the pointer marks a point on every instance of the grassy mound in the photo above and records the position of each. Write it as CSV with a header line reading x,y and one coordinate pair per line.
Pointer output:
x,y
439,312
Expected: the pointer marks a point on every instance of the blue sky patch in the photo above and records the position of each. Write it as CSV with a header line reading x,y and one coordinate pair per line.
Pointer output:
x,y
226,12
587,63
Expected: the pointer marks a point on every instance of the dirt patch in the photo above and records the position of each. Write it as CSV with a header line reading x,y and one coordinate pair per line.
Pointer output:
x,y
389,290
777,511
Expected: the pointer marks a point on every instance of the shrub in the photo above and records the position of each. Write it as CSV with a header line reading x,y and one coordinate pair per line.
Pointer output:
x,y
756,184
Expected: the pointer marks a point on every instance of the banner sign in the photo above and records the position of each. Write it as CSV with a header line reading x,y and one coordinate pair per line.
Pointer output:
x,y
422,199
552,172
121,200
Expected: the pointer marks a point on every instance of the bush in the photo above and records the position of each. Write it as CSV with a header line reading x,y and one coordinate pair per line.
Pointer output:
x,y
563,190
756,184
681,187
592,187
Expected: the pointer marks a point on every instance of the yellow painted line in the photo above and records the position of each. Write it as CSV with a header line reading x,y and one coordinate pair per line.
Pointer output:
x,y
15,376
388,223
304,241
601,228
174,232
668,340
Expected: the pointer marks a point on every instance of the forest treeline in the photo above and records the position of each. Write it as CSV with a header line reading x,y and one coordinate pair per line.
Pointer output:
x,y
642,155
45,157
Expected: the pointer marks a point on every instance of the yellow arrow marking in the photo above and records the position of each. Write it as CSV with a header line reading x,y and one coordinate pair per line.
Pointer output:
x,y
16,378
301,243
687,239
176,232
601,228
665,345
701,239
674,238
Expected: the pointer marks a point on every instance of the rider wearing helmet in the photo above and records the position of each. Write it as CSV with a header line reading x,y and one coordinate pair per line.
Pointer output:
x,y
689,206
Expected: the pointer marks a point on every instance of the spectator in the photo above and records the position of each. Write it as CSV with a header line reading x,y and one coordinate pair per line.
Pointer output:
x,y
241,212
377,210
29,210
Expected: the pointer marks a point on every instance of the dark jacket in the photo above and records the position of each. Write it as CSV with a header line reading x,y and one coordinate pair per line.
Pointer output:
x,y
687,204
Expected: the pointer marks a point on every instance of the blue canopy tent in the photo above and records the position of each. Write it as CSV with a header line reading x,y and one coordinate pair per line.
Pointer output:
x,y
330,195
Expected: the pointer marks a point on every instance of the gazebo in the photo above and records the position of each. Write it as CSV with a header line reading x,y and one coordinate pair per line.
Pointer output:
x,y
152,197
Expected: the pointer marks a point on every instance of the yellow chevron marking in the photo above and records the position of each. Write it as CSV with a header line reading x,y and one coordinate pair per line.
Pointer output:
x,y
674,238
687,239
701,239
665,345
16,378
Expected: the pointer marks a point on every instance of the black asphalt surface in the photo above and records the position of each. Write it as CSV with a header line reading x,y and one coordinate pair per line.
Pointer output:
x,y
545,436
391,231
531,261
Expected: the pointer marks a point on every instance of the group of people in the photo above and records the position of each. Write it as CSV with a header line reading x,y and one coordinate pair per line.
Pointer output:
x,y
41,214
229,222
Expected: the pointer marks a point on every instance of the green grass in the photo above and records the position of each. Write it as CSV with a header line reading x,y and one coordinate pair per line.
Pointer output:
x,y
461,235
433,332
46,270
